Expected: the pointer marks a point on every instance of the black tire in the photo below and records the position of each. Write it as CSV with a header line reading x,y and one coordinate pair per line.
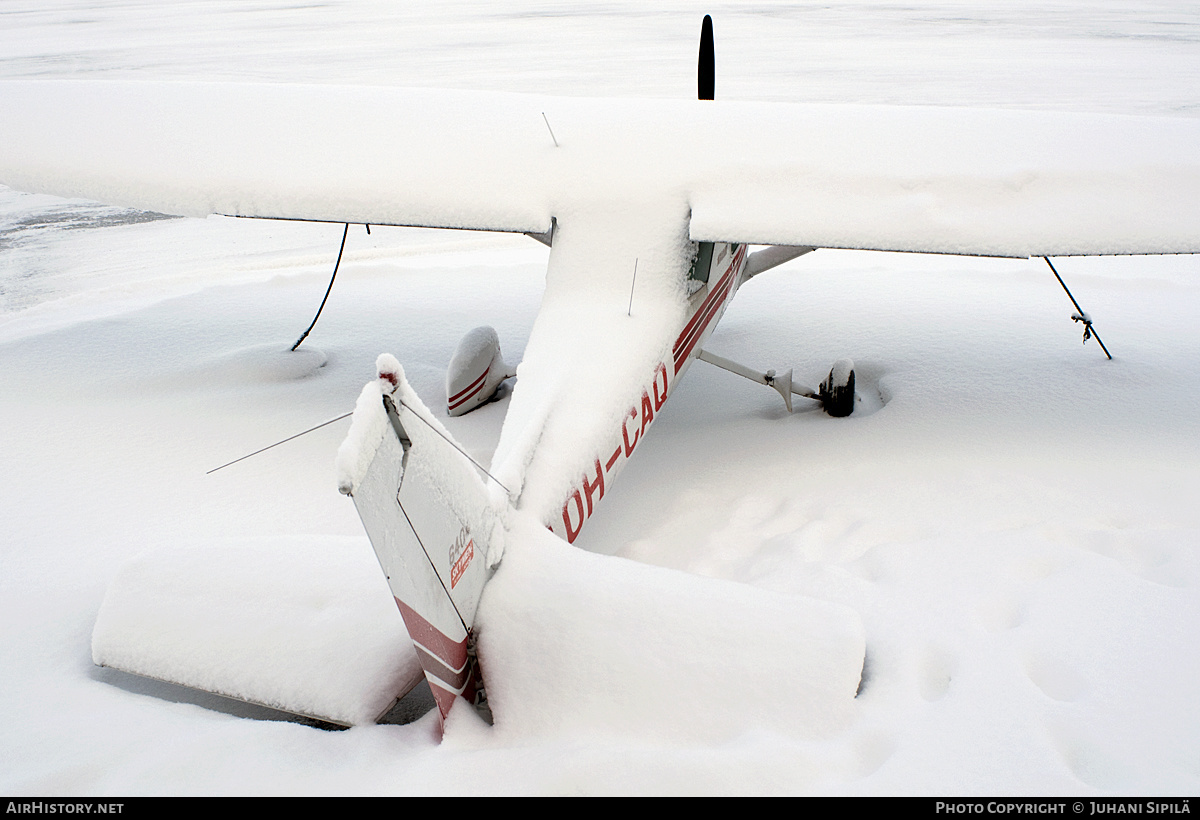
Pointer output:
x,y
838,399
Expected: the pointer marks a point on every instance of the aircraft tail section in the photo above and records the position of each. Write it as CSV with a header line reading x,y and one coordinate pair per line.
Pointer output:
x,y
432,523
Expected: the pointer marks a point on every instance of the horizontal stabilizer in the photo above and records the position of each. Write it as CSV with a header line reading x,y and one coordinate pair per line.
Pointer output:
x,y
582,644
297,624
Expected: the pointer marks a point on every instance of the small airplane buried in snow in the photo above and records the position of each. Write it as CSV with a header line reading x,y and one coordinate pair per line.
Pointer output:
x,y
648,208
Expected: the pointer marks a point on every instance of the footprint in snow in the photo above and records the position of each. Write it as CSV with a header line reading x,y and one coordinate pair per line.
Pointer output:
x,y
936,670
1056,679
1002,612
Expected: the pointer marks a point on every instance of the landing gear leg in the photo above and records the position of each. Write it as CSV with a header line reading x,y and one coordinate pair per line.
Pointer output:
x,y
836,393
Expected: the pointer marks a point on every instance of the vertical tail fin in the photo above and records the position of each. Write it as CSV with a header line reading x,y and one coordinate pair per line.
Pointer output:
x,y
430,521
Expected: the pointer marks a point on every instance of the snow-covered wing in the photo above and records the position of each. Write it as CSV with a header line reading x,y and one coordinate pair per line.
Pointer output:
x,y
325,153
918,179
959,181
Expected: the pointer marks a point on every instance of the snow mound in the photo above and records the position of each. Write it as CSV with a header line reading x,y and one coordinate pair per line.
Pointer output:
x,y
270,363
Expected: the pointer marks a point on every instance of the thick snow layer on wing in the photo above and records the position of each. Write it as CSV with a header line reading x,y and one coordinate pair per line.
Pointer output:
x,y
285,623
1000,183
340,154
1003,183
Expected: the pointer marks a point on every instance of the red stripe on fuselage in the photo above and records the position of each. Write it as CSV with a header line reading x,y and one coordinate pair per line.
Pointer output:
x,y
590,489
703,316
691,325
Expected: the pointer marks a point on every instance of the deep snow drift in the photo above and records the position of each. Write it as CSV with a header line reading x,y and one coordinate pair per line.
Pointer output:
x,y
1014,523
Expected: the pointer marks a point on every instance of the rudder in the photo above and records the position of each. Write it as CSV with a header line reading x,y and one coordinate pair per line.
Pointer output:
x,y
430,521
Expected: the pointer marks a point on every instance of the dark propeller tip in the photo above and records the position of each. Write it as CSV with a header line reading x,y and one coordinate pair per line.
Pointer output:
x,y
706,68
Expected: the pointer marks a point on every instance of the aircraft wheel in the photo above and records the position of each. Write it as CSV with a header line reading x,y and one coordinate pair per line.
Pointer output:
x,y
837,391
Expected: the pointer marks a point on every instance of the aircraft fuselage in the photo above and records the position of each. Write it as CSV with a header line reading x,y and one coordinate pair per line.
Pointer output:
x,y
715,276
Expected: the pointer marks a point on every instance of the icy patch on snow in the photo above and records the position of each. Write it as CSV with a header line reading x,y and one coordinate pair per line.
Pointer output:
x,y
22,218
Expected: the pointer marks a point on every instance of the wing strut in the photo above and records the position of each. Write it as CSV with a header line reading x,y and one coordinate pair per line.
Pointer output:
x,y
1080,314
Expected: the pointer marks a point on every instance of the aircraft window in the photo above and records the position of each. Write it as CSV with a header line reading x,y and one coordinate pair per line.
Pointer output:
x,y
701,263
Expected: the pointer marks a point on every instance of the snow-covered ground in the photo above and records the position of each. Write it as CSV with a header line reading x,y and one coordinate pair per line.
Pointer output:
x,y
1015,523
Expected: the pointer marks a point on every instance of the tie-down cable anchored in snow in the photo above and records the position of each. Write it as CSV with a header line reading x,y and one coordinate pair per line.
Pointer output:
x,y
1080,315
336,265
284,441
